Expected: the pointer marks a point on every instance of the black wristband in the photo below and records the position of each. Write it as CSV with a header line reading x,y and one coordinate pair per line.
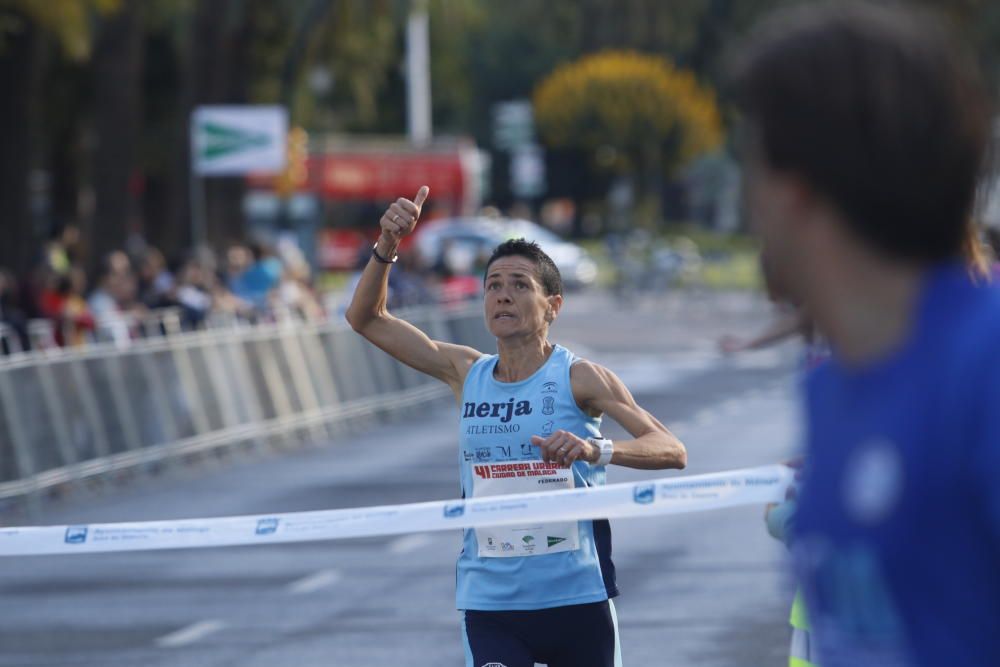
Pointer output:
x,y
380,258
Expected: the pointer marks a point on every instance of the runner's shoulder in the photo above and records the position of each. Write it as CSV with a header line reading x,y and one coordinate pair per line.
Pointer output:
x,y
590,378
461,357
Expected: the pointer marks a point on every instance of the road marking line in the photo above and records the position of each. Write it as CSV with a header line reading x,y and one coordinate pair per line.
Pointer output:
x,y
408,543
314,582
190,634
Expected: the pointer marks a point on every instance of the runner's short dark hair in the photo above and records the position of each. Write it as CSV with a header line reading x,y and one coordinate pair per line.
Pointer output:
x,y
546,270
877,109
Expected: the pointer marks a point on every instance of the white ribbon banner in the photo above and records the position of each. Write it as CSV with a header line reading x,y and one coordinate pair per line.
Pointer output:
x,y
675,495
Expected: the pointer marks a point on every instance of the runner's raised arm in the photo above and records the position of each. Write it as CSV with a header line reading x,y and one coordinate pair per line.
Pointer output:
x,y
369,316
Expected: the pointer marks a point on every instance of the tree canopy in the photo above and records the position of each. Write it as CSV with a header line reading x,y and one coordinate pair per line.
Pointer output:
x,y
628,101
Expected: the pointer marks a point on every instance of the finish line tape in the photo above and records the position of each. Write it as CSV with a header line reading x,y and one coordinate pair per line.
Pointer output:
x,y
676,495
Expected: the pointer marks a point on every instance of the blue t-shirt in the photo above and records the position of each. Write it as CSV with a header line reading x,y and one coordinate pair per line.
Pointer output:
x,y
898,531
535,566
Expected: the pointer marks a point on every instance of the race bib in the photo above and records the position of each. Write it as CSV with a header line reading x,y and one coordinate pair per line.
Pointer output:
x,y
498,479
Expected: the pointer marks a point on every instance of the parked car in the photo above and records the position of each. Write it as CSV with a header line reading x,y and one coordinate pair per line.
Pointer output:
x,y
462,246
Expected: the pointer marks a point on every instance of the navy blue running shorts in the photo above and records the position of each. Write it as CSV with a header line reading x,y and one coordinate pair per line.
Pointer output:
x,y
582,635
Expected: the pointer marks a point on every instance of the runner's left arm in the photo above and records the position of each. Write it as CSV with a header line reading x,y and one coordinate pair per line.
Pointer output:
x,y
599,391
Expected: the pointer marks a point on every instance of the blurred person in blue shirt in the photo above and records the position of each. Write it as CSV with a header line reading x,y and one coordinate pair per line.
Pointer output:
x,y
260,278
864,132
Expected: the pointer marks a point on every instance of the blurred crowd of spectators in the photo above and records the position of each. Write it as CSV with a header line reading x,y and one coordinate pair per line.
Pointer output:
x,y
138,293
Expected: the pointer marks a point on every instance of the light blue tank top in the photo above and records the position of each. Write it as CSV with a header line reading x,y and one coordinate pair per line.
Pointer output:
x,y
496,425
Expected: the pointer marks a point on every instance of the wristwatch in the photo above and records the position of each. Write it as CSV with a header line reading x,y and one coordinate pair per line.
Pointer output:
x,y
607,449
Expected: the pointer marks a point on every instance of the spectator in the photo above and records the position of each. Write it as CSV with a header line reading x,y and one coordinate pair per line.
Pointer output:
x,y
113,303
192,294
295,295
254,285
62,252
156,282
68,309
11,313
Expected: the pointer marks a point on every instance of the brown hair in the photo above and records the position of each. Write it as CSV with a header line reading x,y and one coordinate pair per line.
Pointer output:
x,y
548,272
876,109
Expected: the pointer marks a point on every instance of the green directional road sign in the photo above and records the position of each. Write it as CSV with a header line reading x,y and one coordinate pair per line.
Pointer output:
x,y
232,140
221,140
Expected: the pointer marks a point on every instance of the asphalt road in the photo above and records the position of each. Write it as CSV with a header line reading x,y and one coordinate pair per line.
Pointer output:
x,y
702,589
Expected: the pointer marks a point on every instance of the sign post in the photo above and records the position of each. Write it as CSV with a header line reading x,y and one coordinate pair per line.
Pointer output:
x,y
514,132
233,140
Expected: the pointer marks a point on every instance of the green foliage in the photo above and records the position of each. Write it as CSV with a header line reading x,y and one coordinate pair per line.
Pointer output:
x,y
68,20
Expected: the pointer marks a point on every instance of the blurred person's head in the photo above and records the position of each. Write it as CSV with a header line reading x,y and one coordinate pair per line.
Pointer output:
x,y
152,264
238,258
864,127
66,235
260,251
117,279
117,261
191,273
207,258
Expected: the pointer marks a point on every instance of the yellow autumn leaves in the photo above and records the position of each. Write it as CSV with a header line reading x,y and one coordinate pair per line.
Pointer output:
x,y
628,100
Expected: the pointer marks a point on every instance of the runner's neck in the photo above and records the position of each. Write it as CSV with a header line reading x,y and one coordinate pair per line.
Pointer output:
x,y
520,361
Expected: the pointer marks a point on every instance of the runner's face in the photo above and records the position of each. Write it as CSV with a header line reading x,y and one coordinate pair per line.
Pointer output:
x,y
515,301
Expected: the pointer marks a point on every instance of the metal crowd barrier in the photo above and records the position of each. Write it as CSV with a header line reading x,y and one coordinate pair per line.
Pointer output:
x,y
71,413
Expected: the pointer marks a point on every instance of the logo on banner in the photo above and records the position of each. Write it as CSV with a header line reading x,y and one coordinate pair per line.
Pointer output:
x,y
494,664
468,456
644,494
526,449
548,405
483,454
453,511
550,388
506,546
528,539
267,526
554,540
482,471
547,427
76,534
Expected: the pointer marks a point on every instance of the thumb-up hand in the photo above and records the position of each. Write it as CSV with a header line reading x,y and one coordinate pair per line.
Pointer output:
x,y
401,217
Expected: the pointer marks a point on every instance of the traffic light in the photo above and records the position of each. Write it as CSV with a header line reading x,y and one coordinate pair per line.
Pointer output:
x,y
296,172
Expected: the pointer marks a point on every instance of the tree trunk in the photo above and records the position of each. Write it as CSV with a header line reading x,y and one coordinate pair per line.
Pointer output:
x,y
216,70
64,166
117,115
20,74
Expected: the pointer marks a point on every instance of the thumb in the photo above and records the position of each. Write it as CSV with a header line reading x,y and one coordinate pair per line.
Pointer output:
x,y
421,196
